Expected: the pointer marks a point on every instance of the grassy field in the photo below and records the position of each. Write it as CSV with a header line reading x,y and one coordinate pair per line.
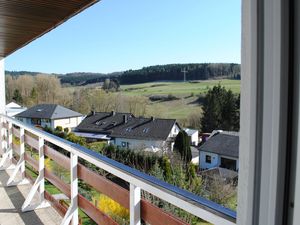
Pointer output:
x,y
179,89
187,94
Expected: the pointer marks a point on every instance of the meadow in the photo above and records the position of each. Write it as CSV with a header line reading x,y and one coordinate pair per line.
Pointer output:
x,y
180,89
186,93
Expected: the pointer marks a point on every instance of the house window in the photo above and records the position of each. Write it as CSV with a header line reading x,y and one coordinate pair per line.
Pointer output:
x,y
125,144
36,121
208,159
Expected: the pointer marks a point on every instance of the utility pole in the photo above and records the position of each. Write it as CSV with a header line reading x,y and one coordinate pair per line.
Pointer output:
x,y
184,71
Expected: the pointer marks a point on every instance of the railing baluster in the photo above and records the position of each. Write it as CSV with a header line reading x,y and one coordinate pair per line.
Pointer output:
x,y
39,184
1,137
22,151
20,165
135,205
72,213
8,151
41,169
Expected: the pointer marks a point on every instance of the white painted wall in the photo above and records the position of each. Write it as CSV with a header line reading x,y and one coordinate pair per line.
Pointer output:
x,y
139,144
67,123
2,86
64,123
215,160
174,131
194,138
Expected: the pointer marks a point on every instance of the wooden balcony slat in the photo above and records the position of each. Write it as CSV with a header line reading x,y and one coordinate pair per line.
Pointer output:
x,y
16,148
154,215
94,213
31,142
56,156
104,186
31,161
16,132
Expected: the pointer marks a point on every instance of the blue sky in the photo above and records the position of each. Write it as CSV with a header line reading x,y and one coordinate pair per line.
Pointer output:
x,y
116,35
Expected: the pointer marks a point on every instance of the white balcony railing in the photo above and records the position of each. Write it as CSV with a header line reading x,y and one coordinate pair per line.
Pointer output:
x,y
139,208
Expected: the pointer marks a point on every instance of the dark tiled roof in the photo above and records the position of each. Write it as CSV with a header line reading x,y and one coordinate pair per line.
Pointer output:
x,y
48,111
126,125
223,144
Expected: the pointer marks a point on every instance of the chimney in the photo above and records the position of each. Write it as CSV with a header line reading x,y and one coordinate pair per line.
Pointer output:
x,y
125,119
152,118
113,113
92,113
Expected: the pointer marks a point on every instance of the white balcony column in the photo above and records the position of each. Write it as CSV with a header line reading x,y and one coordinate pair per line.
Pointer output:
x,y
72,213
2,87
41,169
135,205
2,102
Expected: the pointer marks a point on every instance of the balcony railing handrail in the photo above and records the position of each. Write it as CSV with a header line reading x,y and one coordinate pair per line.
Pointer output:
x,y
194,204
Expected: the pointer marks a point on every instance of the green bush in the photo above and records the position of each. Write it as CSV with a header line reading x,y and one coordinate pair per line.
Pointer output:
x,y
59,129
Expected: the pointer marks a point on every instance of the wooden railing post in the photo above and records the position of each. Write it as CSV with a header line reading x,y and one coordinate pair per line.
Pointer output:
x,y
135,205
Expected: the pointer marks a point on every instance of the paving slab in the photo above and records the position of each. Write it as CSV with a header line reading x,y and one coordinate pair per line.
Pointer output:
x,y
11,200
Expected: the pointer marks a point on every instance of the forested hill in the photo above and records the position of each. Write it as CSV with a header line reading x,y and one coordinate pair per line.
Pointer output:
x,y
171,72
174,72
20,73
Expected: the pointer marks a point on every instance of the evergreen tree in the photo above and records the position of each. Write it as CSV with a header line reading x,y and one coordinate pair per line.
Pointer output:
x,y
182,146
17,96
220,110
34,95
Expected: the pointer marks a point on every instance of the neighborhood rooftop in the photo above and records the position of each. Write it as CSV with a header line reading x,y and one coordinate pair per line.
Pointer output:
x,y
126,125
223,143
48,111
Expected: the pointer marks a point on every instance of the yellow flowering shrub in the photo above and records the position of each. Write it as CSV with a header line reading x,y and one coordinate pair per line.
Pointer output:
x,y
111,207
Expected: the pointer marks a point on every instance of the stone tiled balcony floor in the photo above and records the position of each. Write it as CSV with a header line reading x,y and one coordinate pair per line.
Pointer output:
x,y
11,200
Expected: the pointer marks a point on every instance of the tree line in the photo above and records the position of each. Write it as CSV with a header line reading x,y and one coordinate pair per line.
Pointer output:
x,y
31,90
171,72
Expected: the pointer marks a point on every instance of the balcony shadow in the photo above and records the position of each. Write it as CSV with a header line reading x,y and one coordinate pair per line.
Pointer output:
x,y
17,200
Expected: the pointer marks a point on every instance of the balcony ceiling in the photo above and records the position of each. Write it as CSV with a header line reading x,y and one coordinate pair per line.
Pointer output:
x,y
22,21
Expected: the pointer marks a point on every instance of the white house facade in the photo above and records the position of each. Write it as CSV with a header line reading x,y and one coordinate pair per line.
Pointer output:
x,y
50,115
220,150
193,136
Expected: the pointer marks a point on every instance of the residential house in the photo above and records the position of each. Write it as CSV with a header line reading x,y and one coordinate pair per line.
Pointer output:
x,y
127,131
193,136
220,150
13,109
50,115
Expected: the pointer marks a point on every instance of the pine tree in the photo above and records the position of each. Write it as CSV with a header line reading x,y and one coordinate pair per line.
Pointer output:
x,y
182,146
220,110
